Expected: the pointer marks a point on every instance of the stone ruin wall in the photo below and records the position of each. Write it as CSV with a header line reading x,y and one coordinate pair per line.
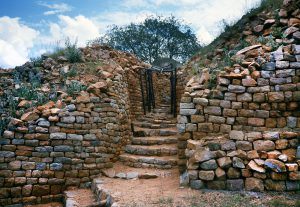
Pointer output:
x,y
245,134
134,89
68,143
54,147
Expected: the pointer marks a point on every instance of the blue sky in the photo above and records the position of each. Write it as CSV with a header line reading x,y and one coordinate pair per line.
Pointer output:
x,y
31,27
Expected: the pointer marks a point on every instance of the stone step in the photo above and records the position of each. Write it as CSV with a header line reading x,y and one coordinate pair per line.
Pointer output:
x,y
157,120
146,124
152,150
139,161
155,140
80,197
145,132
161,115
162,110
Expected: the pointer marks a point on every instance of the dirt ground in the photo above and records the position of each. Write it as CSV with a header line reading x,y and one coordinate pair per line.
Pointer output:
x,y
54,204
164,191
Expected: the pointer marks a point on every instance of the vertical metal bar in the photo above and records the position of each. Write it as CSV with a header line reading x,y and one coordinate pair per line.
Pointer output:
x,y
146,87
152,90
175,93
142,90
171,87
148,91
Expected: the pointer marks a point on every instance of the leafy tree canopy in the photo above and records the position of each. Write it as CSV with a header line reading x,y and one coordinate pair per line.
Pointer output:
x,y
155,38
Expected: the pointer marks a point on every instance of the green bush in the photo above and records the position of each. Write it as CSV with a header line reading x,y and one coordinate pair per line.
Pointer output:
x,y
75,87
3,124
37,61
212,82
276,32
72,53
269,41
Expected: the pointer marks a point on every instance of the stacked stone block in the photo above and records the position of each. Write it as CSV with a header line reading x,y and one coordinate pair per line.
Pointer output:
x,y
244,101
63,144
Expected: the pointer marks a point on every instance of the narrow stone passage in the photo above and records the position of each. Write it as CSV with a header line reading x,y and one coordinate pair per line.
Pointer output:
x,y
154,144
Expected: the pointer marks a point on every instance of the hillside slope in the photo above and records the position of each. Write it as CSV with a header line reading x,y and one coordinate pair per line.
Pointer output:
x,y
271,26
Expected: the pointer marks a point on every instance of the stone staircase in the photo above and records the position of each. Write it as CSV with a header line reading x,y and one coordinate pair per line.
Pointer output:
x,y
154,143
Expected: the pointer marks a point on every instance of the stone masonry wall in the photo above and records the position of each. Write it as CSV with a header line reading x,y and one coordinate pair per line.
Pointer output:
x,y
65,143
244,134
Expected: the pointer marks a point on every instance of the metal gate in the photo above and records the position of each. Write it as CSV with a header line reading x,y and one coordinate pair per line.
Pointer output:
x,y
148,93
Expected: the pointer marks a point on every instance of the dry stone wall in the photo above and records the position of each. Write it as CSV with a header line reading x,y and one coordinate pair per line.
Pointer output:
x,y
66,143
244,134
51,149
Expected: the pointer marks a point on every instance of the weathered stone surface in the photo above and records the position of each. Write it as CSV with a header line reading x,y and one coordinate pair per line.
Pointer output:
x,y
245,97
228,145
121,175
30,116
291,122
187,106
197,184
58,136
201,156
275,97
205,127
244,145
233,173
147,175
249,82
256,122
236,135
235,185
111,173
206,175
262,145
216,119
201,101
275,165
132,175
294,175
246,49
275,185
75,137
68,119
220,174
40,190
14,165
237,162
292,167
97,88
186,112
253,166
56,166
282,64
190,127
236,89
292,185
6,154
213,110
209,165
254,184
271,135
224,162
8,134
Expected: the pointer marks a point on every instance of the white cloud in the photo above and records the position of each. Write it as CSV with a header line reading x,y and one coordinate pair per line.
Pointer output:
x,y
79,27
135,3
206,16
55,8
203,16
15,41
120,18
